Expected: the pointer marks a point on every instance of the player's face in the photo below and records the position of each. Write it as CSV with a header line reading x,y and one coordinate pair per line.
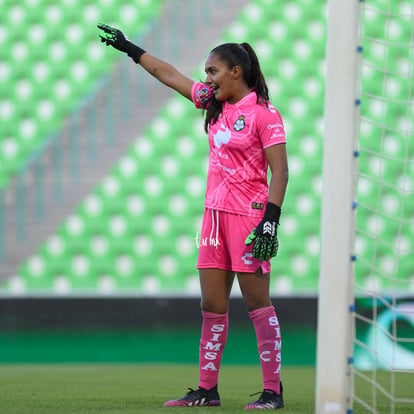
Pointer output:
x,y
220,78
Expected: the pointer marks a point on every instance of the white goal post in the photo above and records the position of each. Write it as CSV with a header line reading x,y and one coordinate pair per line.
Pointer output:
x,y
334,339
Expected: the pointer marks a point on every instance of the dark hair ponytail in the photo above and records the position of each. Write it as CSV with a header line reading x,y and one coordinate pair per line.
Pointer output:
x,y
256,79
243,55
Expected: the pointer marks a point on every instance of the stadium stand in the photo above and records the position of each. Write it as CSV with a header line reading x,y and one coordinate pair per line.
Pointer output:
x,y
137,232
51,60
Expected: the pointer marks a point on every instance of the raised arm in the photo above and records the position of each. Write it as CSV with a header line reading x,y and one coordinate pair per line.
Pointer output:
x,y
161,70
167,74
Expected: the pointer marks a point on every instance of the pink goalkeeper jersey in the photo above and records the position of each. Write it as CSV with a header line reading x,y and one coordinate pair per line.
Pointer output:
x,y
237,170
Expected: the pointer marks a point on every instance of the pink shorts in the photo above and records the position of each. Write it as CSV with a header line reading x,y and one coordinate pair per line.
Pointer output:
x,y
221,243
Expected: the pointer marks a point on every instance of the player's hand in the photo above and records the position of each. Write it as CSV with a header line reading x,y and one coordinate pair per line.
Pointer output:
x,y
264,236
115,38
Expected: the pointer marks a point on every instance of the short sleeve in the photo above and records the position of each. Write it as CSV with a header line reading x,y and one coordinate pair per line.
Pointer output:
x,y
200,95
270,127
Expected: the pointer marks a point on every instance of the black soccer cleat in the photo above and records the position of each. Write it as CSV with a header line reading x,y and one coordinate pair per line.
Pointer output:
x,y
197,398
268,400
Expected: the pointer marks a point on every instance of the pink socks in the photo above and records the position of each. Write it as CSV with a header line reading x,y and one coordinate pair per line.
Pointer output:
x,y
213,339
214,336
267,330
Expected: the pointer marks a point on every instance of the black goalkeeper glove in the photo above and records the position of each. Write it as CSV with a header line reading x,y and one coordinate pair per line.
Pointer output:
x,y
115,38
264,235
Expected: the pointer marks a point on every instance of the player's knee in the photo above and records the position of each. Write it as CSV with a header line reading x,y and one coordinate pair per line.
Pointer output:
x,y
214,306
256,303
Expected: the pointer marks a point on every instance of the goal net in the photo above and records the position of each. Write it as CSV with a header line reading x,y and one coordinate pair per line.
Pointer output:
x,y
382,369
365,338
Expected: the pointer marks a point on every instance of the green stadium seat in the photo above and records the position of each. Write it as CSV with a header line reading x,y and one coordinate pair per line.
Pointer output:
x,y
55,249
36,274
81,274
237,32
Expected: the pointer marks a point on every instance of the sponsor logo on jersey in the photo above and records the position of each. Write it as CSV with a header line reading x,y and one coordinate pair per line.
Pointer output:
x,y
257,206
222,136
278,131
277,126
247,258
239,124
271,108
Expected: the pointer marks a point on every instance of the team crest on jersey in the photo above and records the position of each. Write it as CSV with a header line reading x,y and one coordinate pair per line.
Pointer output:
x,y
239,124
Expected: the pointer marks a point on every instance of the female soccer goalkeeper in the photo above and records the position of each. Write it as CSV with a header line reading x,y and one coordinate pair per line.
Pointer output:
x,y
242,211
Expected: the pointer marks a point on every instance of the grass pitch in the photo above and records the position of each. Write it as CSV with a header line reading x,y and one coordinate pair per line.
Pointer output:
x,y
137,388
143,388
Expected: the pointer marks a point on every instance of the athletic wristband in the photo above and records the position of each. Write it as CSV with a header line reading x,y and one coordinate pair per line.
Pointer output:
x,y
134,52
272,212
